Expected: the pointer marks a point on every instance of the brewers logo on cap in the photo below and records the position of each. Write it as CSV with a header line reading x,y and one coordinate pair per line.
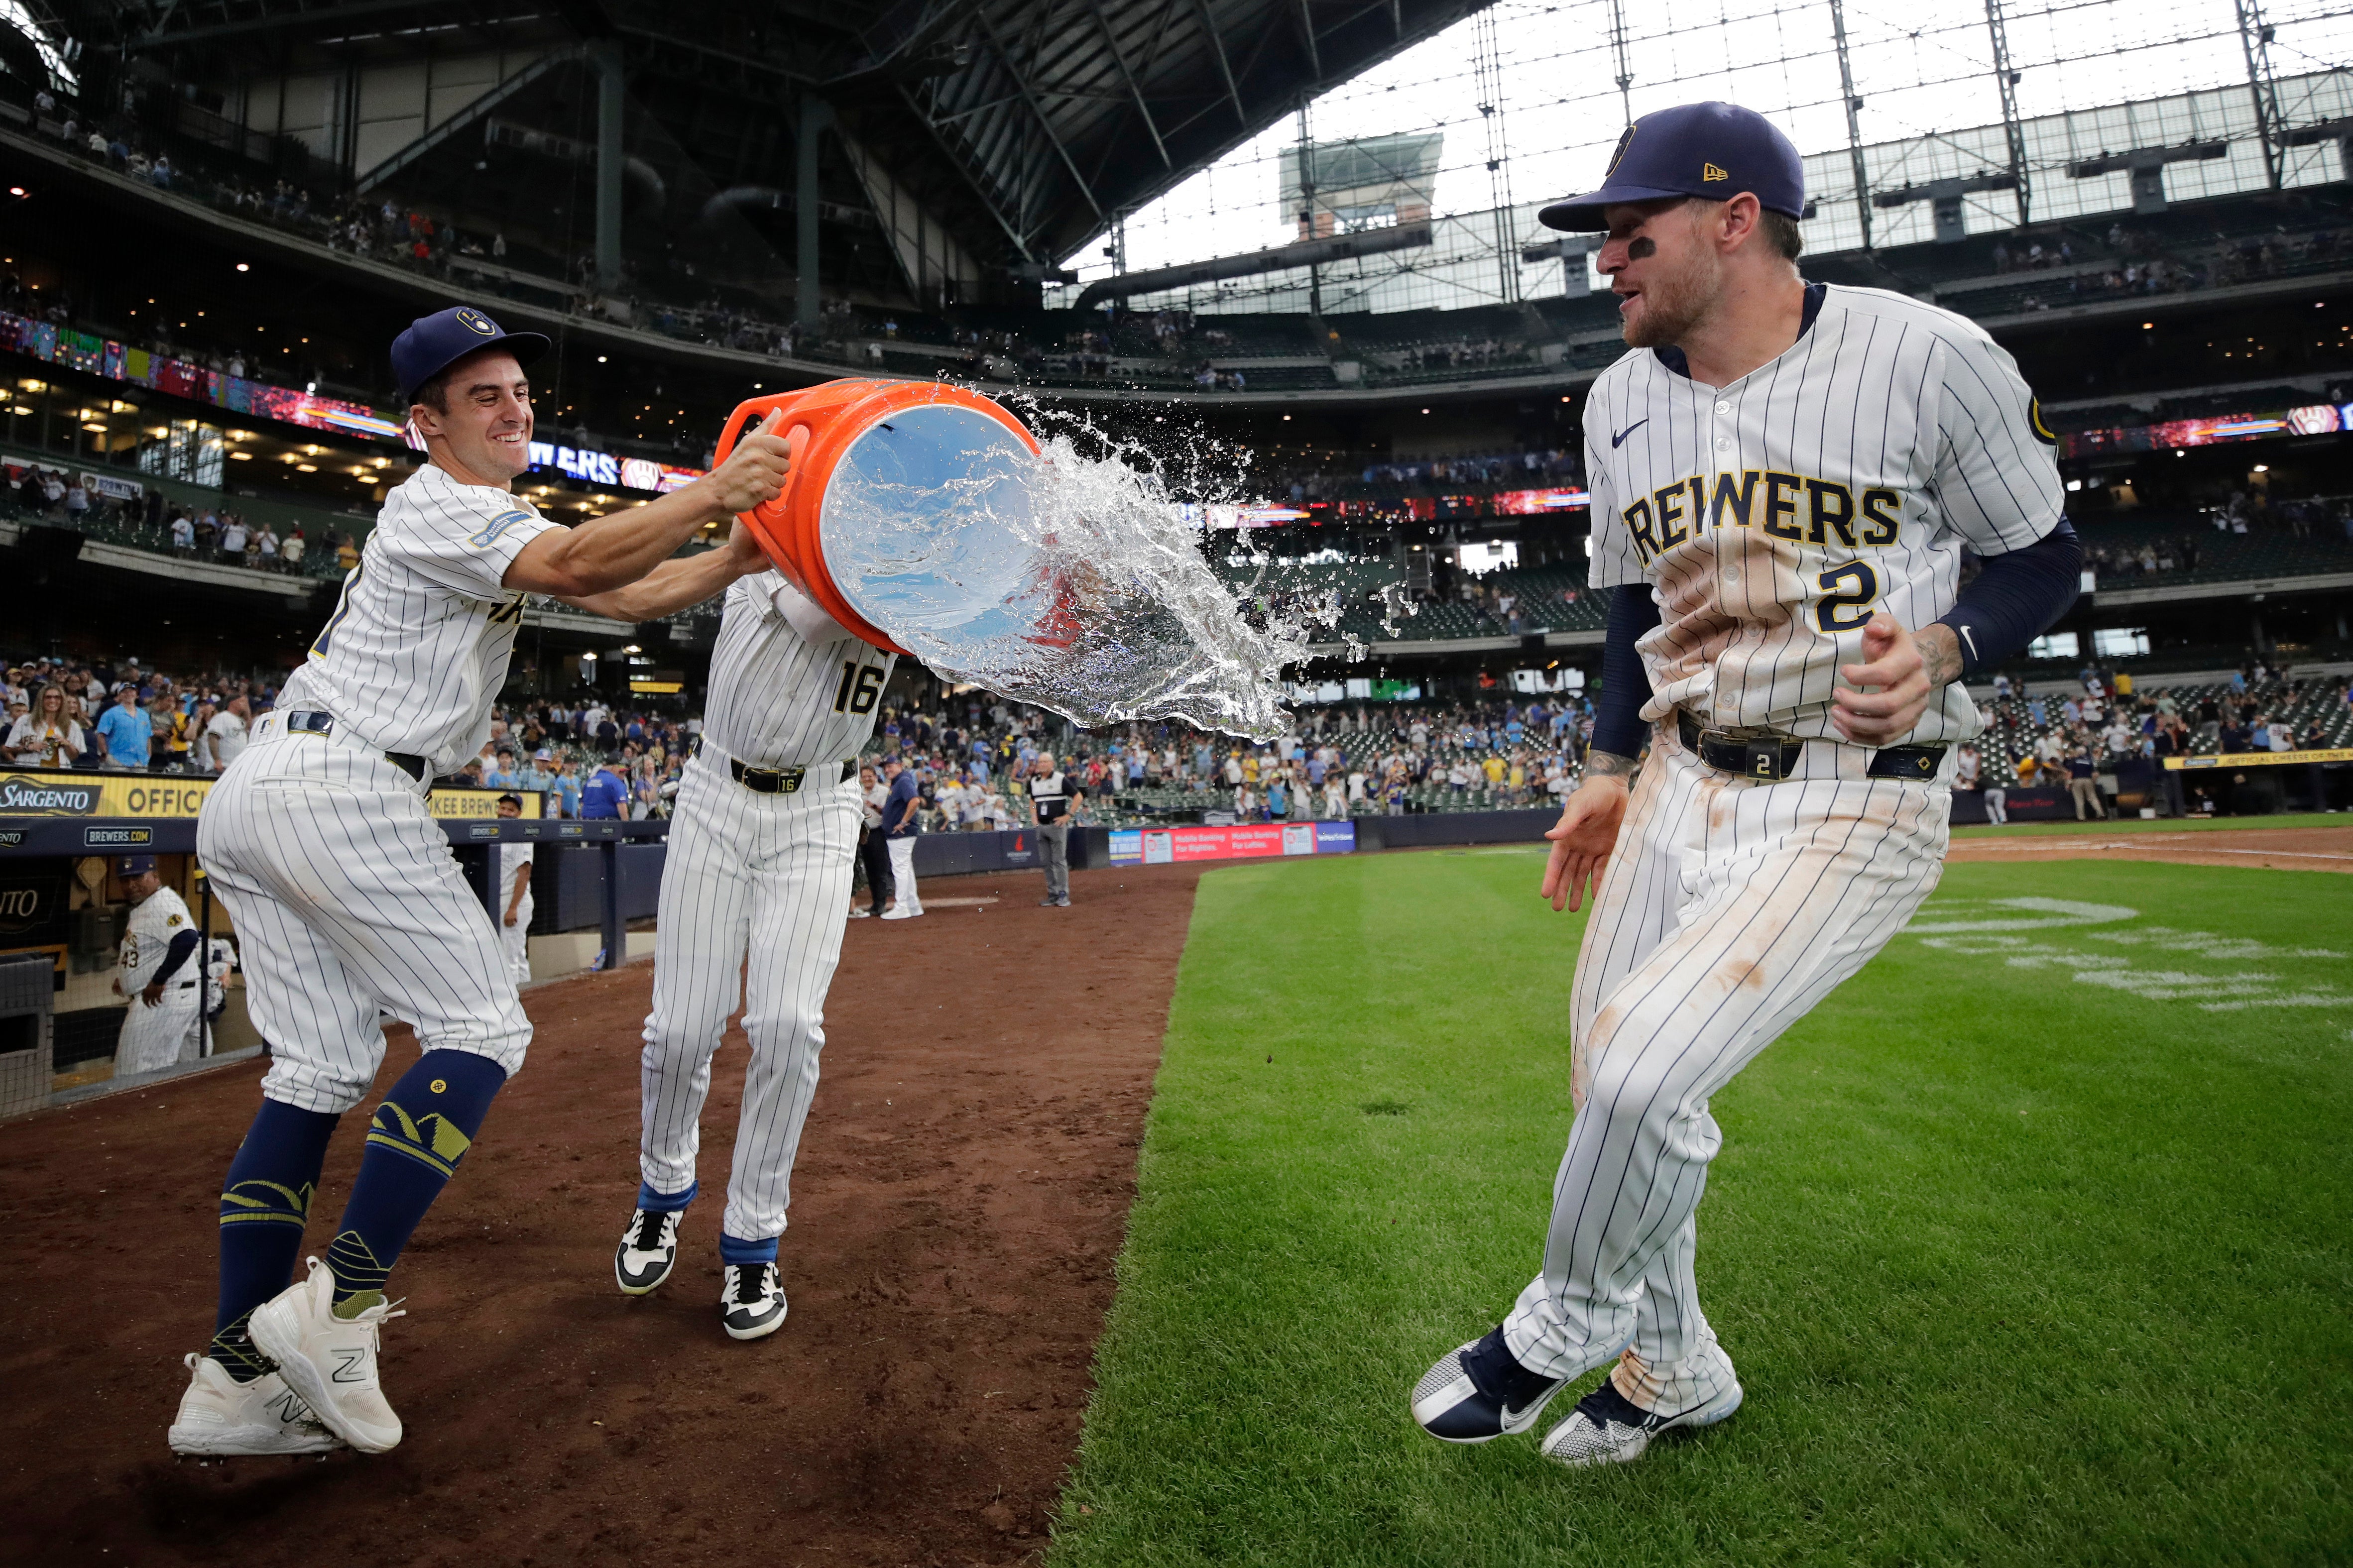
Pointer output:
x,y
474,320
1619,157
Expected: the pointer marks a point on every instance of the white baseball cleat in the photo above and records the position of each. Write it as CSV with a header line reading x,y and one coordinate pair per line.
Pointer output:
x,y
648,1252
750,1301
331,1361
1608,1428
221,1417
899,912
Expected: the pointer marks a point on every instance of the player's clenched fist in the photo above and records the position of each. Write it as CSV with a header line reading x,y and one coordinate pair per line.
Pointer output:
x,y
755,472
1583,838
1891,686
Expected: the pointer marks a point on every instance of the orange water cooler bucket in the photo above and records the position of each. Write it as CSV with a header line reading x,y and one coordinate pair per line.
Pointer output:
x,y
902,517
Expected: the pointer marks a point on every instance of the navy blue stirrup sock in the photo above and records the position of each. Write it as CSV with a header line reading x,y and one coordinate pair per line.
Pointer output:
x,y
265,1202
418,1135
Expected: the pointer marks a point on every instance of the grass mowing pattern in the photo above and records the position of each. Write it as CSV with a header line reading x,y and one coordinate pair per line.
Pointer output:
x,y
2015,1269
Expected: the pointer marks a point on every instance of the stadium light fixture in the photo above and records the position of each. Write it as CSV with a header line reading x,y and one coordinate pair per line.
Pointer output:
x,y
240,457
2263,468
243,267
306,467
600,359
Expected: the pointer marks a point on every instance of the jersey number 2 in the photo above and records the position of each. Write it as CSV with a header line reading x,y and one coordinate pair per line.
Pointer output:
x,y
1846,595
859,689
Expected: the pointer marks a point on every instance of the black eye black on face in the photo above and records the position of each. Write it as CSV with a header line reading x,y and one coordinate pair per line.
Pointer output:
x,y
1641,248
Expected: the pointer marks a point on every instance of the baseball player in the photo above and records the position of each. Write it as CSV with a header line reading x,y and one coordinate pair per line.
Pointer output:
x,y
1783,475
761,843
162,974
514,896
346,896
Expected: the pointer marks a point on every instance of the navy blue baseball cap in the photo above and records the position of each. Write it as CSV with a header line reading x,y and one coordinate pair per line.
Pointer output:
x,y
1711,150
435,342
134,865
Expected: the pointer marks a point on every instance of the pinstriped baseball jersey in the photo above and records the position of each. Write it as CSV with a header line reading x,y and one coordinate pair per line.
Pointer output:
x,y
1773,516
148,940
789,687
417,646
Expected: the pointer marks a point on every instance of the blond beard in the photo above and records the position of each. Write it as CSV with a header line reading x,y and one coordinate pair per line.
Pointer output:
x,y
1673,306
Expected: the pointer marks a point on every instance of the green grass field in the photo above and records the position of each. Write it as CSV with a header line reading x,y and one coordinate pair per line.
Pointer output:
x,y
2017,1267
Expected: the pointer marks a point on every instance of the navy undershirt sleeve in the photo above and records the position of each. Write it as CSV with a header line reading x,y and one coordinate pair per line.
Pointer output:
x,y
176,955
1617,725
2015,599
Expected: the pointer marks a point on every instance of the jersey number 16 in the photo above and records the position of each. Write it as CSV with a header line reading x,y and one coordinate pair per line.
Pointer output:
x,y
860,687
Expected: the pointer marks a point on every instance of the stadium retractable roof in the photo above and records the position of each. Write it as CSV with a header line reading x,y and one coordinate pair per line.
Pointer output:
x,y
1018,129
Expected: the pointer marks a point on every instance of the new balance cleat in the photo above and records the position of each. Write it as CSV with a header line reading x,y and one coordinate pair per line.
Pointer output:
x,y
331,1361
220,1416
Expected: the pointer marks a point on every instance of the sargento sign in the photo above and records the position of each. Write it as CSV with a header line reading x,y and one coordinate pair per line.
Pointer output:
x,y
36,794
101,795
168,796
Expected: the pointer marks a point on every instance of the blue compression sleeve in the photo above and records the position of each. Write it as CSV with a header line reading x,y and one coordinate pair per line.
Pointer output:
x,y
176,955
2015,598
1618,724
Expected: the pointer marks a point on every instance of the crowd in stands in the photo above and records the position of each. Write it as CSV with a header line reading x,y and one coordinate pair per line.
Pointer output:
x,y
2138,261
972,754
191,533
2107,739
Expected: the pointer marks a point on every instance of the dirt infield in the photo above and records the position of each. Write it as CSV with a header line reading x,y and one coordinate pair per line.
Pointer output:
x,y
962,1192
2280,848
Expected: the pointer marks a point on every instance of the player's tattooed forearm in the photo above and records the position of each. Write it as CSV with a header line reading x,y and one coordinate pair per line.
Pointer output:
x,y
1599,764
1940,653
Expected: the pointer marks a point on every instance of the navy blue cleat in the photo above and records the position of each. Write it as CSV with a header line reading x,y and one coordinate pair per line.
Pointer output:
x,y
1478,1393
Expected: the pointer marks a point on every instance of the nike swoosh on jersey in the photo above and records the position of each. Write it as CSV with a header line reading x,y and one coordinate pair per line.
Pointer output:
x,y
1616,440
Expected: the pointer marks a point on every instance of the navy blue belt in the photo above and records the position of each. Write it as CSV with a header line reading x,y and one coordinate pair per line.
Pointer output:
x,y
779,781
313,722
1775,757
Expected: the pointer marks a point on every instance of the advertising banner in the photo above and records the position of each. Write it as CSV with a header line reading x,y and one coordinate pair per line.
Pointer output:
x,y
1245,841
2261,759
40,793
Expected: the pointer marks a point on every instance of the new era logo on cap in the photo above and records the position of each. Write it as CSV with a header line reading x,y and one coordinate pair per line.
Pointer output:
x,y
1715,151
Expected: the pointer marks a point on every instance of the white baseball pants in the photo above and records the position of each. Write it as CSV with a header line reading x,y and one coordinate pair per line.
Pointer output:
x,y
346,900
514,940
1730,908
157,1037
763,878
903,873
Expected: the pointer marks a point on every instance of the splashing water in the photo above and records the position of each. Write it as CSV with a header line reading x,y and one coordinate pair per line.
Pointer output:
x,y
1072,582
